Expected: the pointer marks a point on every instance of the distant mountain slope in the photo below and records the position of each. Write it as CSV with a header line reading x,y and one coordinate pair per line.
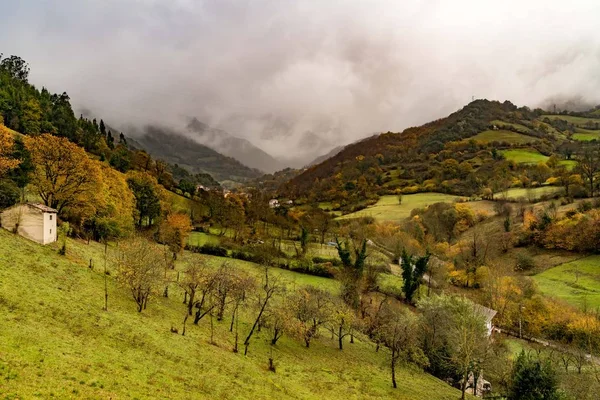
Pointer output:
x,y
324,157
174,148
426,158
232,146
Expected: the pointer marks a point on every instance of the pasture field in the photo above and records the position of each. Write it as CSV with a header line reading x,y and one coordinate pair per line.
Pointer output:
x,y
586,134
529,193
56,341
388,208
201,238
183,204
503,136
581,122
576,282
524,156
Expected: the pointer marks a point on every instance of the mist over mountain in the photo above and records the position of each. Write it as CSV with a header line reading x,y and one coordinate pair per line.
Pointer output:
x,y
297,79
238,148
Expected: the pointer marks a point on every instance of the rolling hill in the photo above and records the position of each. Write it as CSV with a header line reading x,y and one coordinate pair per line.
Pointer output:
x,y
460,155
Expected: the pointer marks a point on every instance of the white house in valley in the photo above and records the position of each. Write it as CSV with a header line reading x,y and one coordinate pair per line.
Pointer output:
x,y
33,221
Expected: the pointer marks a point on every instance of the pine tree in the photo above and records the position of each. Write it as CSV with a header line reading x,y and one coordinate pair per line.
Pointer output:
x,y
102,129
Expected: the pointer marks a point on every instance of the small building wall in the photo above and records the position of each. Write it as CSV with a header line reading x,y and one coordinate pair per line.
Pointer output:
x,y
49,228
31,223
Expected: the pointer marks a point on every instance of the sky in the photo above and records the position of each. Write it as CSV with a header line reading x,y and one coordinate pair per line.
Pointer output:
x,y
299,77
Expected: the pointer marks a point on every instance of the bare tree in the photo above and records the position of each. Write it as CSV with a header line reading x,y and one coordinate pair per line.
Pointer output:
x,y
271,286
399,332
589,164
139,268
312,308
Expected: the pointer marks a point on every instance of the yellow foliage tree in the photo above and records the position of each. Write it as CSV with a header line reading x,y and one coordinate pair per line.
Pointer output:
x,y
118,203
6,146
64,175
174,231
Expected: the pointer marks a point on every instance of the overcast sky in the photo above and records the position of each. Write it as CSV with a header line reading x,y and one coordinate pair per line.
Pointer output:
x,y
285,73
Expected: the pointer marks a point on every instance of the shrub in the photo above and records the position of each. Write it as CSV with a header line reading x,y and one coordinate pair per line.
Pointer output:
x,y
524,262
210,249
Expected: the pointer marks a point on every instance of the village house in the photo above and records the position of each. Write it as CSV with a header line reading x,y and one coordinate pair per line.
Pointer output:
x,y
33,221
488,314
273,203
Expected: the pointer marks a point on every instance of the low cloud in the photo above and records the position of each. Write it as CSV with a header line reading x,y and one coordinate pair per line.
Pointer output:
x,y
300,77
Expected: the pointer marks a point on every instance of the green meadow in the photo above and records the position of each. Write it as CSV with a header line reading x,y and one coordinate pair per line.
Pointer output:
x,y
57,342
388,208
576,282
503,136
529,193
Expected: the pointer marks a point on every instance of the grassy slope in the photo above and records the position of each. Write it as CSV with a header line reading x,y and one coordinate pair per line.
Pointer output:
x,y
525,156
533,193
577,282
578,121
586,134
56,341
388,209
503,136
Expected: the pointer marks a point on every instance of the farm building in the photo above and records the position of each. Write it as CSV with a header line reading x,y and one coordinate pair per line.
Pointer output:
x,y
489,315
33,221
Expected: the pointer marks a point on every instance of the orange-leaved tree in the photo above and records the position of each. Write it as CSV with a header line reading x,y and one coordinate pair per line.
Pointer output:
x,y
7,162
174,231
64,175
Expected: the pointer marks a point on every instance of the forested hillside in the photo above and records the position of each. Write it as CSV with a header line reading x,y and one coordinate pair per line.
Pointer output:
x,y
484,148
174,148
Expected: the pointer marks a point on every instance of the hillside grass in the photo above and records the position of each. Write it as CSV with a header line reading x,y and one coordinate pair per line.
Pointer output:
x,y
389,209
577,282
503,136
529,193
524,156
586,134
184,205
55,341
528,156
578,121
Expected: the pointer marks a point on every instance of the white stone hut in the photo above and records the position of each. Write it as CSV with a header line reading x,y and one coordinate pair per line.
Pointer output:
x,y
33,221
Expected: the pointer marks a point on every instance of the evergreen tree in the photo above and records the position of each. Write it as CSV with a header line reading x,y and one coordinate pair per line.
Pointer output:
x,y
413,269
102,129
110,140
533,379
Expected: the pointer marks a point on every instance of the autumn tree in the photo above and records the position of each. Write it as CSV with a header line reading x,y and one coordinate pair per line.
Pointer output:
x,y
343,322
174,232
139,268
589,164
312,308
7,162
64,175
399,332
